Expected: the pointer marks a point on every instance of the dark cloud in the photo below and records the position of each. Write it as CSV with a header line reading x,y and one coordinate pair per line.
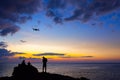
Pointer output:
x,y
52,9
3,45
57,20
5,52
12,10
24,19
49,54
86,56
76,14
83,10
53,4
8,28
15,11
77,56
98,7
23,41
18,53
102,7
50,13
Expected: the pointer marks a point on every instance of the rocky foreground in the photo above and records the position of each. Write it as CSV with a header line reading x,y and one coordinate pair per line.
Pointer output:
x,y
29,72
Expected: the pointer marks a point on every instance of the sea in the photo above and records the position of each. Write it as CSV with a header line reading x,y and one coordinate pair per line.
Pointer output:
x,y
93,71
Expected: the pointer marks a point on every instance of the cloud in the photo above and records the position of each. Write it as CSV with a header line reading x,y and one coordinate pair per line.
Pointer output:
x,y
8,28
83,10
50,13
56,4
18,53
49,54
3,45
57,20
98,7
15,11
23,41
76,14
5,52
68,56
52,9
12,10
8,56
86,56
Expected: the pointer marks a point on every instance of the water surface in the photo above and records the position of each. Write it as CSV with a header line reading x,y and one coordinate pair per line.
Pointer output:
x,y
91,71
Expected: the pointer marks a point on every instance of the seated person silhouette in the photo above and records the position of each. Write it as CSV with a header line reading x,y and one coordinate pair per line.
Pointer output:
x,y
44,60
23,63
29,64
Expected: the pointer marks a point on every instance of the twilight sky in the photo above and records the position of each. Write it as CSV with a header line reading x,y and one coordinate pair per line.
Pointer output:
x,y
69,30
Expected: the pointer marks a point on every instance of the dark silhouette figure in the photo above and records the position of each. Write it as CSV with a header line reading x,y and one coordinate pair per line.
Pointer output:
x,y
44,60
23,63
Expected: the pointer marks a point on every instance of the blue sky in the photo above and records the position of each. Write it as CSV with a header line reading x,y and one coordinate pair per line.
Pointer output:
x,y
73,27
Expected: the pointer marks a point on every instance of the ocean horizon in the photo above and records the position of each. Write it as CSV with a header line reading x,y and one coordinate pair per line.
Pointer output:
x,y
93,71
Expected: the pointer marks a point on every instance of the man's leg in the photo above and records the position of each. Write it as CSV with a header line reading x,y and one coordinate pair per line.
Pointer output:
x,y
43,69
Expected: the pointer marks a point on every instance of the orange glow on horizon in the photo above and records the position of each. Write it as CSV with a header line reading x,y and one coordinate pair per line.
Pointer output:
x,y
70,57
72,53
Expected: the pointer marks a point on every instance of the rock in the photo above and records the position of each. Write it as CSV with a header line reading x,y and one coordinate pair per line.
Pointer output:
x,y
23,71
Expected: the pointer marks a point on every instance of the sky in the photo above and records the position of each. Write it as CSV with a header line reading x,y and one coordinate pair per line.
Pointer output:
x,y
66,30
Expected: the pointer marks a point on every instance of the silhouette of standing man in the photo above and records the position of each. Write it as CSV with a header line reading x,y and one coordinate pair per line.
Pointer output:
x,y
44,60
